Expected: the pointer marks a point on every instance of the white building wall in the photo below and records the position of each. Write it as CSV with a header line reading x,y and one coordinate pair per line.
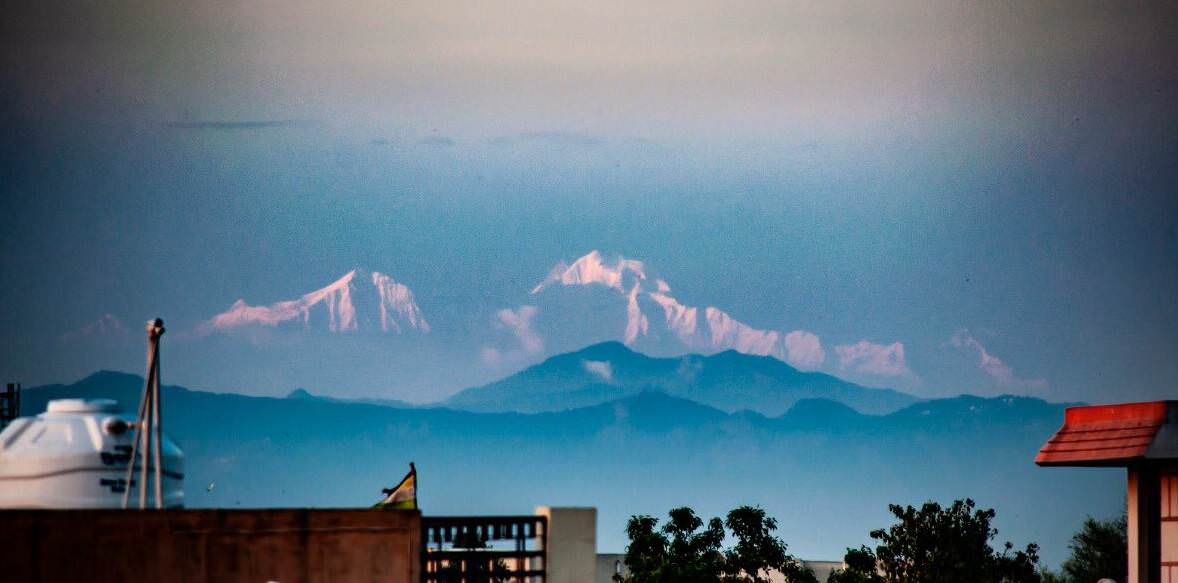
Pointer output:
x,y
571,544
608,564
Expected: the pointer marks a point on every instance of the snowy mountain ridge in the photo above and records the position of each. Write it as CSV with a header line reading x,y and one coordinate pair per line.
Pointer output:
x,y
396,310
709,329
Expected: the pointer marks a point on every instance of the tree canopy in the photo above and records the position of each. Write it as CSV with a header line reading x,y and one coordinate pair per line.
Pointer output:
x,y
934,545
686,550
1100,550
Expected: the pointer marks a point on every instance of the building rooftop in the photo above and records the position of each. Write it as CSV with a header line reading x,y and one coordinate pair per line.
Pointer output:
x,y
1114,435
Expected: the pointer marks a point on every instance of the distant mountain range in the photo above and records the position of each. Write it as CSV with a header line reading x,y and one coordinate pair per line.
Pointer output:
x,y
824,470
366,333
729,381
653,318
655,321
305,394
356,300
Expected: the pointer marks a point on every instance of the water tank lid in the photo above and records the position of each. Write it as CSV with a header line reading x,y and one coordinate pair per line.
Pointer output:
x,y
83,406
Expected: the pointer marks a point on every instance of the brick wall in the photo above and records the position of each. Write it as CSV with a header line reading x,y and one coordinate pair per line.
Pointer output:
x,y
255,546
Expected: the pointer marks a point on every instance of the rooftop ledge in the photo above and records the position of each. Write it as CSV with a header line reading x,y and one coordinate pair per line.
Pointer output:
x,y
1114,435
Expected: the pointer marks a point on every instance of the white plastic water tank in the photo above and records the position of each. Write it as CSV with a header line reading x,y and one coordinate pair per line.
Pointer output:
x,y
75,455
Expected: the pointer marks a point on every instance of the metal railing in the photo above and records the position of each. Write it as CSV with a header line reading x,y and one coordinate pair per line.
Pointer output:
x,y
9,404
484,549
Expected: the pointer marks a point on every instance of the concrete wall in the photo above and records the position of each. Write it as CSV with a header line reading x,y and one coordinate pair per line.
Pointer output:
x,y
1169,524
571,544
255,546
1153,522
608,564
821,569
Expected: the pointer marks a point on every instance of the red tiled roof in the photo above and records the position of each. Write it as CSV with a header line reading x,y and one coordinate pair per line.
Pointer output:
x,y
1107,435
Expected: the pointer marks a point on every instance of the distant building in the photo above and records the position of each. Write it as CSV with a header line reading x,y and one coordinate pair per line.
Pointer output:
x,y
9,404
554,545
1142,437
823,569
609,564
207,546
571,544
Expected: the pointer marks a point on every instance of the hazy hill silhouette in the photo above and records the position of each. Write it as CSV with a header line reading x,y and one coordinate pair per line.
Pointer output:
x,y
729,381
826,471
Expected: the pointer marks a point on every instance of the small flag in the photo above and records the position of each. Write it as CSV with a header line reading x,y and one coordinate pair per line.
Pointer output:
x,y
404,495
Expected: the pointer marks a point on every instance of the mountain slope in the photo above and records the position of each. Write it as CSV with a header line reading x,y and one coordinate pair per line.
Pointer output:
x,y
353,301
826,472
729,381
304,394
655,320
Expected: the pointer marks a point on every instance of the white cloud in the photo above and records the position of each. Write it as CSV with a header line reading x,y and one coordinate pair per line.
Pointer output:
x,y
875,359
490,355
804,350
993,366
107,325
601,368
519,321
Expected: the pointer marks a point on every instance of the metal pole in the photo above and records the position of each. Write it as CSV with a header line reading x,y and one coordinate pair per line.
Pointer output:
x,y
155,420
145,451
139,430
151,415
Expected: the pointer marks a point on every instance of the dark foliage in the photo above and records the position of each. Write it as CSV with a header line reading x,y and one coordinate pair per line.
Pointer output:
x,y
1100,550
860,568
693,556
686,550
937,545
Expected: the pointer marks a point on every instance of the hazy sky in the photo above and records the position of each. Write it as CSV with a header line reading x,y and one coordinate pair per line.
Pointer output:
x,y
991,185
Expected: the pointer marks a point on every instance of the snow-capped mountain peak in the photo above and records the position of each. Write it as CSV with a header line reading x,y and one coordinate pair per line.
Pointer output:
x,y
397,304
339,300
621,275
652,312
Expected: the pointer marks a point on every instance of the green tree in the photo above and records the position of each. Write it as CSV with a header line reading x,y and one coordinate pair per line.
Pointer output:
x,y
1048,576
934,545
1100,550
861,568
647,550
693,555
679,551
757,551
686,550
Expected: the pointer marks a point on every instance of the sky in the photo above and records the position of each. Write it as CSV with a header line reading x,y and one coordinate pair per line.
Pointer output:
x,y
991,187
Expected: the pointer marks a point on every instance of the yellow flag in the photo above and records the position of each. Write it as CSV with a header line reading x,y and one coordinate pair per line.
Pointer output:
x,y
404,495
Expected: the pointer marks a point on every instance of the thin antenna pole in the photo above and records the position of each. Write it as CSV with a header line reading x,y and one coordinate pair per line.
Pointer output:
x,y
157,425
139,424
145,451
148,407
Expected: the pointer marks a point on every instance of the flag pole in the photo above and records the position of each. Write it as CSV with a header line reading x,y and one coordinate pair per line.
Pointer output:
x,y
148,407
156,419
